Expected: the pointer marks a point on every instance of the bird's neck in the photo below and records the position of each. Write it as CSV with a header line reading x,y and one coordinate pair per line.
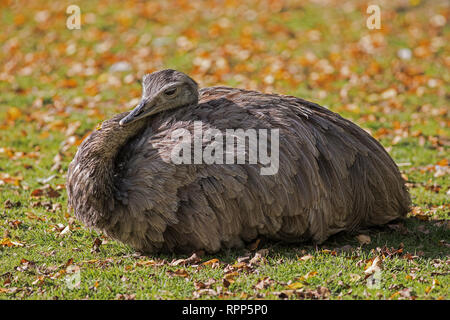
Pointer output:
x,y
90,181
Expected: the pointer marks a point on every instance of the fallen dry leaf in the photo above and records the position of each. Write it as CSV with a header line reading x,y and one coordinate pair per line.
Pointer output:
x,y
193,259
254,245
263,283
178,273
210,262
6,242
306,257
96,245
375,265
296,285
146,263
363,239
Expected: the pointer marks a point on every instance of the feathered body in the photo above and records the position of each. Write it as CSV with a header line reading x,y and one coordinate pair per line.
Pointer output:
x,y
332,176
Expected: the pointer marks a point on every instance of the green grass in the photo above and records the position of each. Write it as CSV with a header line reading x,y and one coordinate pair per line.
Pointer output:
x,y
37,109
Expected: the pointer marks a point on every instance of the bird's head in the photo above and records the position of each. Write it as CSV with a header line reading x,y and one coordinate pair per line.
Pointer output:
x,y
163,90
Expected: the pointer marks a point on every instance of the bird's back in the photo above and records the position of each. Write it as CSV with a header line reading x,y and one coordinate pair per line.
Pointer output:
x,y
332,176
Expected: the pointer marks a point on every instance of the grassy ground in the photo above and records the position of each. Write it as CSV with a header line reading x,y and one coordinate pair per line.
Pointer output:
x,y
56,85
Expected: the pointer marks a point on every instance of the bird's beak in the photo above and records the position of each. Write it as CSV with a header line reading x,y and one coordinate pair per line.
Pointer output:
x,y
141,110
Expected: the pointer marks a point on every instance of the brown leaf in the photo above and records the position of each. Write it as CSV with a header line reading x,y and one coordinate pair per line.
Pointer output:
x,y
68,83
31,215
363,239
37,193
68,263
194,259
121,296
199,285
254,245
6,242
284,295
11,204
146,263
51,193
404,293
264,283
306,257
226,283
239,265
375,265
259,257
323,292
243,259
210,262
209,292
178,273
327,251
296,285
399,227
230,276
96,245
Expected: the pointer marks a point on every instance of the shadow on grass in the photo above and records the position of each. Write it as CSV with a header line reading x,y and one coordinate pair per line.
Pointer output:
x,y
426,239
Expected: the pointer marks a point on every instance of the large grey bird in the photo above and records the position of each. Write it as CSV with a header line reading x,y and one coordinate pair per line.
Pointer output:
x,y
332,175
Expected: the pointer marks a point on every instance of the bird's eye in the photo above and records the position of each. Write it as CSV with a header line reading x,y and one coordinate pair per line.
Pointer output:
x,y
170,92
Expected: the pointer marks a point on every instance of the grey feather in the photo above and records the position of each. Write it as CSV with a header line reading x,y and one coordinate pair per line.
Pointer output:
x,y
332,176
